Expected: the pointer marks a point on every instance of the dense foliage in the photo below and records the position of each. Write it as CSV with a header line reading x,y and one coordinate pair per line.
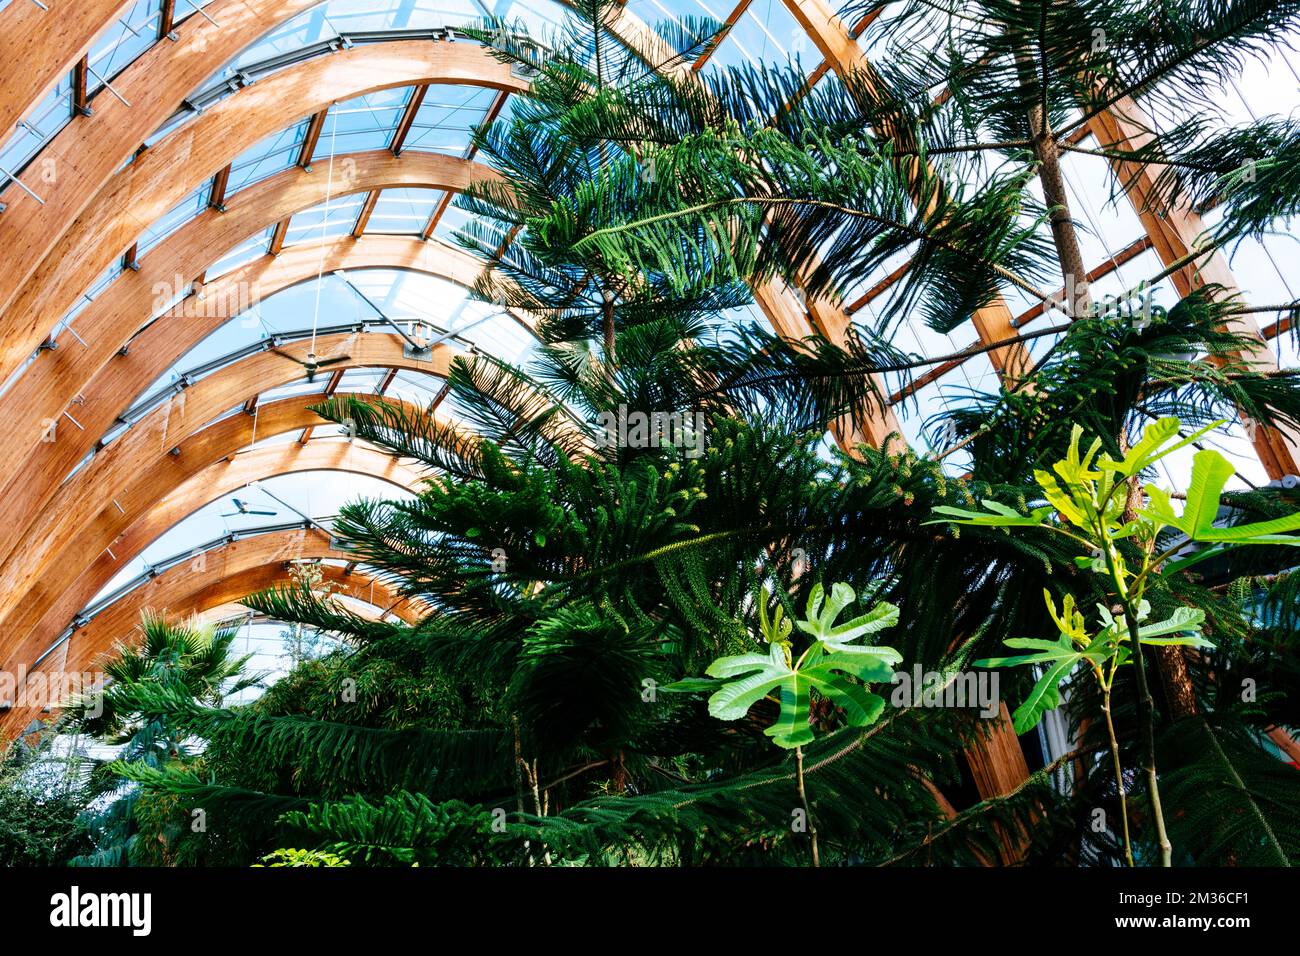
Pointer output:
x,y
595,593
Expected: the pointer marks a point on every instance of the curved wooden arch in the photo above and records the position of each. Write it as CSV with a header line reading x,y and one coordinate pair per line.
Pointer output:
x,y
38,625
157,445
34,400
224,596
164,175
161,345
176,586
86,153
39,47
87,156
228,572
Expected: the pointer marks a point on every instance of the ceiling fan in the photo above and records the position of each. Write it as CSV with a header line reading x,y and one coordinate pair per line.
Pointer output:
x,y
242,508
311,363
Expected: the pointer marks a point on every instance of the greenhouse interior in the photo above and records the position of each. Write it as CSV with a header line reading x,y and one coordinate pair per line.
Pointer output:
x,y
650,433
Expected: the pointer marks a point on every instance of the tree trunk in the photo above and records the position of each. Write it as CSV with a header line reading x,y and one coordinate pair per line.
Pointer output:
x,y
1064,236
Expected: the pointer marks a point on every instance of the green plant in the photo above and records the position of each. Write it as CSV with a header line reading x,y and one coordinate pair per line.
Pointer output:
x,y
192,662
293,857
41,803
1095,501
827,666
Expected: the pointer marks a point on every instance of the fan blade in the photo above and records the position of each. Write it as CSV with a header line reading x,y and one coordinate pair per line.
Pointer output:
x,y
261,512
334,361
291,358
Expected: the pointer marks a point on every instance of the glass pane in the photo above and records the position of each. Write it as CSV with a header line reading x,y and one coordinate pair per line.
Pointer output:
x,y
132,34
446,117
245,252
272,155
35,130
766,33
363,123
327,220
404,211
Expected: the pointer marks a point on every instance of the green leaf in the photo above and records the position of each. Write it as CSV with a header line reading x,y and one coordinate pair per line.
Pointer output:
x,y
1045,696
1147,451
1183,619
1060,499
692,685
827,666
835,638
999,519
792,728
1210,472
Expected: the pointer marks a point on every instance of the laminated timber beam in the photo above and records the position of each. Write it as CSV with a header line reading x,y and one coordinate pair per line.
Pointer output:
x,y
230,584
377,601
121,482
1175,232
38,47
84,155
56,251
161,344
42,394
226,593
1172,231
43,300
180,589
177,497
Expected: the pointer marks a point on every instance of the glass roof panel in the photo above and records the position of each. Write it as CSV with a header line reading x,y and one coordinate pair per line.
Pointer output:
x,y
317,494
446,117
419,390
175,218
50,115
294,390
428,306
245,252
1107,226
452,224
328,21
403,211
917,38
766,33
933,398
133,33
362,123
326,220
408,298
361,380
272,155
656,12
539,17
